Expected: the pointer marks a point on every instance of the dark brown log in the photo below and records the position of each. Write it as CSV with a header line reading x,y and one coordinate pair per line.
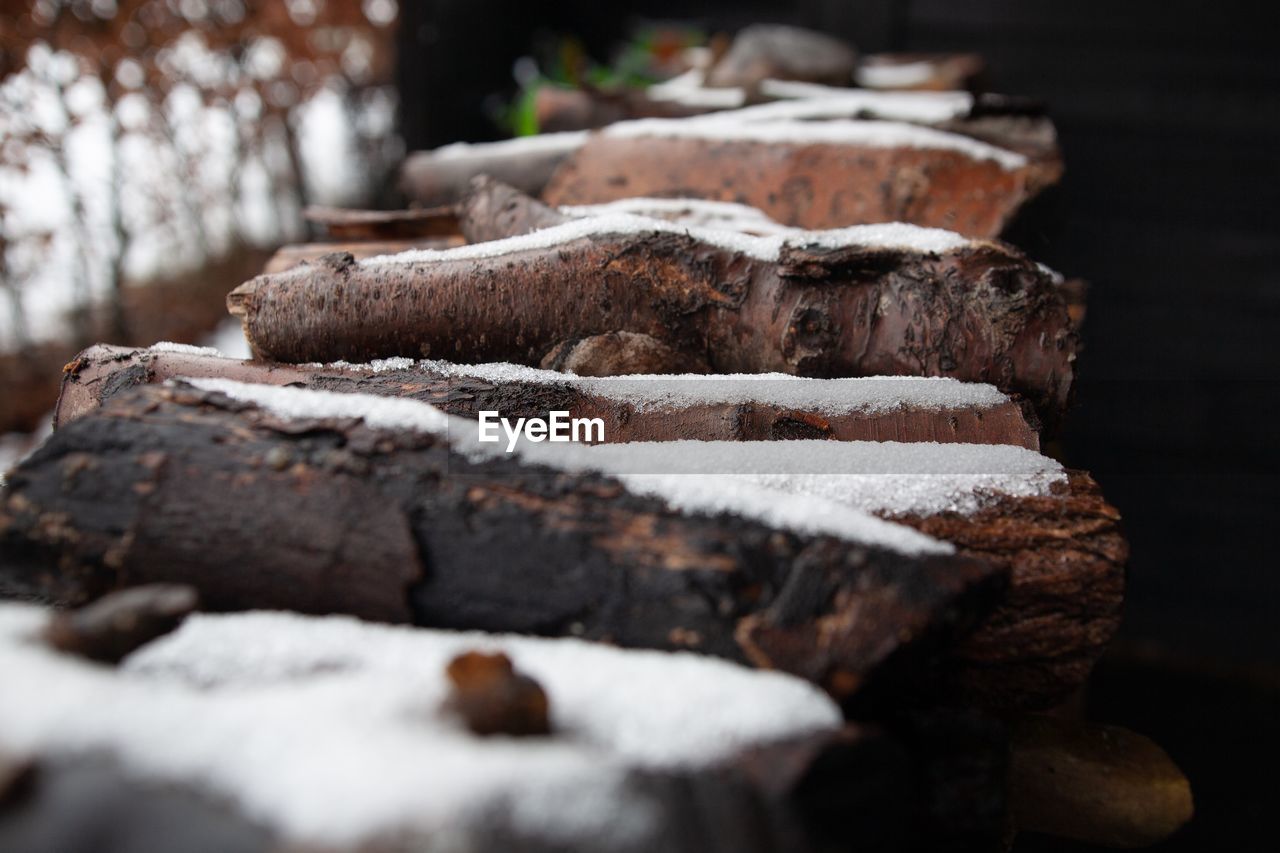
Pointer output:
x,y
810,185
982,312
288,257
491,210
619,354
354,225
108,629
170,484
102,372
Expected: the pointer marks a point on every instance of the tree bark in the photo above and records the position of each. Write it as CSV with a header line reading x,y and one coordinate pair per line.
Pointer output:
x,y
102,372
810,185
170,484
980,313
290,256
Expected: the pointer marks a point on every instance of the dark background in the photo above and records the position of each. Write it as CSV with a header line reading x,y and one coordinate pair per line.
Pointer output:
x,y
1170,123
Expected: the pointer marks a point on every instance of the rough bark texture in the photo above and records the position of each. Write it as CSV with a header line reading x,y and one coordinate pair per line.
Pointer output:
x,y
102,372
168,484
982,313
492,210
1066,556
807,185
619,354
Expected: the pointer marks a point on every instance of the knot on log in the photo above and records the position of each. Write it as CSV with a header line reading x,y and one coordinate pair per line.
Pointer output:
x,y
492,698
118,623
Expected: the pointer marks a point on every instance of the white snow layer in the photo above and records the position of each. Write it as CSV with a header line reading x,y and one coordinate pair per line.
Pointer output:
x,y
729,127
687,89
893,75
871,394
328,730
890,235
640,468
815,101
690,212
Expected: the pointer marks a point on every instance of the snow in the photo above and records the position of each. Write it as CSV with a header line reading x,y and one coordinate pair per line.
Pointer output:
x,y
882,477
636,468
814,101
697,213
687,89
893,75
729,127
892,236
327,730
543,143
870,394
185,349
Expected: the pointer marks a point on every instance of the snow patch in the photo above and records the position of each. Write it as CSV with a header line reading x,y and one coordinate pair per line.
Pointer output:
x,y
185,349
636,466
327,730
543,143
728,127
891,236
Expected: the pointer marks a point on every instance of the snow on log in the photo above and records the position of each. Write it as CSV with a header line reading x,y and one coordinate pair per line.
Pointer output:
x,y
389,509
632,408
330,733
294,254
888,299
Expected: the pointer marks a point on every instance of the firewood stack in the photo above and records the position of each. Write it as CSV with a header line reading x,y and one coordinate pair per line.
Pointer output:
x,y
808,585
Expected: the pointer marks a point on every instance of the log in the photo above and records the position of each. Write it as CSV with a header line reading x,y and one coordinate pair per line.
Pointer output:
x,y
264,773
1066,555
1061,545
632,409
347,224
775,51
177,485
809,174
878,301
934,72
441,177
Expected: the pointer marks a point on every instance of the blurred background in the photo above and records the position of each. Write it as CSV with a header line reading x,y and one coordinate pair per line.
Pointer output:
x,y
153,151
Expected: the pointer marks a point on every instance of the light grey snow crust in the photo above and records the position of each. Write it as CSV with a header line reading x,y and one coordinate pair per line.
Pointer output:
x,y
328,730
641,469
729,126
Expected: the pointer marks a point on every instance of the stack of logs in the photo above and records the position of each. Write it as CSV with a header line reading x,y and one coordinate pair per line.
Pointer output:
x,y
328,474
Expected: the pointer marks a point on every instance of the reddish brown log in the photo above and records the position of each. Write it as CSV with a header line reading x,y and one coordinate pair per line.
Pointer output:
x,y
1066,554
436,178
818,185
169,484
773,51
981,313
101,372
491,210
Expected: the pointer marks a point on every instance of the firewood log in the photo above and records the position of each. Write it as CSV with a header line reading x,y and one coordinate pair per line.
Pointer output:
x,y
882,300
634,408
441,177
338,739
273,508
1059,542
355,225
811,174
